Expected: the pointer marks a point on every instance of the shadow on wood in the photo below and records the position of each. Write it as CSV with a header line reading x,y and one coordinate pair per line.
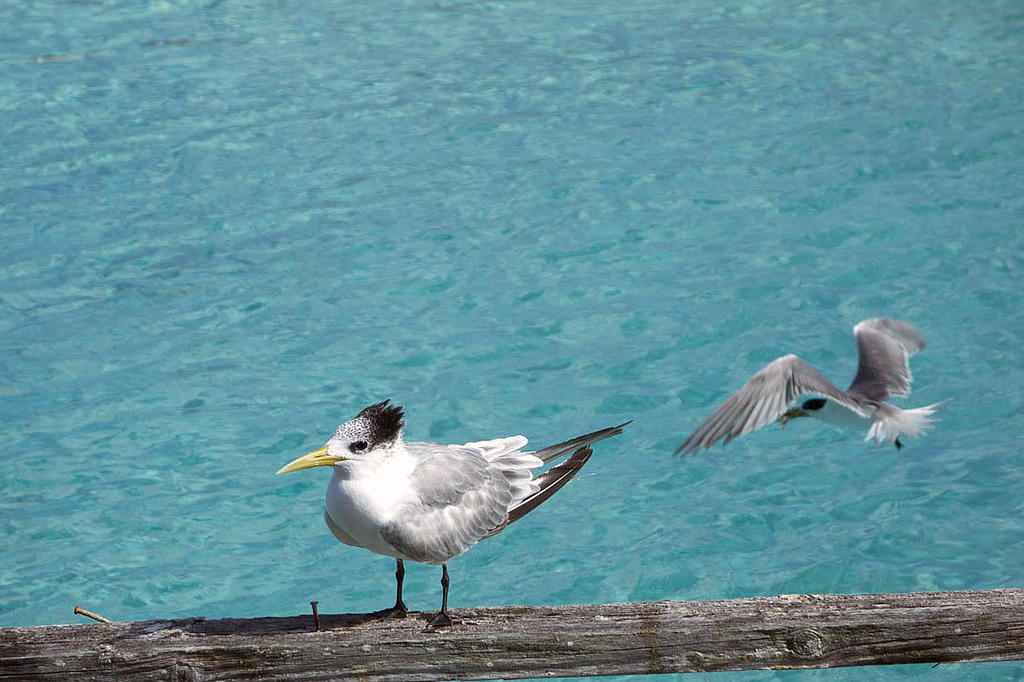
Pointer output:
x,y
786,632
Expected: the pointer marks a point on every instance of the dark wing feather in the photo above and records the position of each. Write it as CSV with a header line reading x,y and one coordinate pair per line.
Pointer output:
x,y
555,451
550,482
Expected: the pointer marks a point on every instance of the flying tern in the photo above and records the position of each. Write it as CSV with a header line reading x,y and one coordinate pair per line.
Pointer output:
x,y
429,502
884,347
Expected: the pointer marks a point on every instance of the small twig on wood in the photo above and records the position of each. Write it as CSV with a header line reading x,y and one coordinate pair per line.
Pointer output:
x,y
79,611
316,616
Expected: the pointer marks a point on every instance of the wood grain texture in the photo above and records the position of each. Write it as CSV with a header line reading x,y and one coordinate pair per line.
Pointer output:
x,y
785,632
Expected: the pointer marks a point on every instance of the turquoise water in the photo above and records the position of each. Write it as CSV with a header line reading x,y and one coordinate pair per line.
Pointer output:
x,y
228,226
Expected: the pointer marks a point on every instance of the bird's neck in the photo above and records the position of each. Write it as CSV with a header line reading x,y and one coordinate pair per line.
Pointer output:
x,y
835,414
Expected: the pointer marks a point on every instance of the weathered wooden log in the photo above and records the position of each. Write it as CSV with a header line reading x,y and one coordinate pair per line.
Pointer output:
x,y
792,631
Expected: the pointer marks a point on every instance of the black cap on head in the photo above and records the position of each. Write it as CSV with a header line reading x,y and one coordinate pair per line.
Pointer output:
x,y
383,420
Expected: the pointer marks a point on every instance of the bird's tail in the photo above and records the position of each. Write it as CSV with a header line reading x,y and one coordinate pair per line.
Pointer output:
x,y
895,422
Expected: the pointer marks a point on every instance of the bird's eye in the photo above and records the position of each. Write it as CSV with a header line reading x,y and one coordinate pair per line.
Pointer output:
x,y
359,446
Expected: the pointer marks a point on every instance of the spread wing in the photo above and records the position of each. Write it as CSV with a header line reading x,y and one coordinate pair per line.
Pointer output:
x,y
763,399
884,348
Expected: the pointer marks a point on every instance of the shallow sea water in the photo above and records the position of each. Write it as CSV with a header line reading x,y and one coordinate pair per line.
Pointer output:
x,y
228,226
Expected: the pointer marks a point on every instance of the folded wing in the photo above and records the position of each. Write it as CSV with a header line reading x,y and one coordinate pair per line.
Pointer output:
x,y
460,496
465,493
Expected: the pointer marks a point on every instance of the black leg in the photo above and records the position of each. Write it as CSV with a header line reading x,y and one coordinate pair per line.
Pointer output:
x,y
399,610
442,619
898,443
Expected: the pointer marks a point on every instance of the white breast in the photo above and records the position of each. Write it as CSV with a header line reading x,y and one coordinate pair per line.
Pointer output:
x,y
835,414
363,496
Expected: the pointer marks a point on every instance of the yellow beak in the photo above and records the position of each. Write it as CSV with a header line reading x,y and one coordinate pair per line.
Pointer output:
x,y
317,458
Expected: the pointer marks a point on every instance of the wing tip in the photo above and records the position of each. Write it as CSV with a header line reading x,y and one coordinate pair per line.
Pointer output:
x,y
555,479
906,333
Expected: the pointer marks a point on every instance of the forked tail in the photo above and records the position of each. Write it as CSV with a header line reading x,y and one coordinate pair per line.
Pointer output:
x,y
893,422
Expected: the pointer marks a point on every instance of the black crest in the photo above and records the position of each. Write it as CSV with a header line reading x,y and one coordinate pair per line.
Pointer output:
x,y
384,421
814,404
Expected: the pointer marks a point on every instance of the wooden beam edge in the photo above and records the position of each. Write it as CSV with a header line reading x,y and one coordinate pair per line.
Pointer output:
x,y
780,632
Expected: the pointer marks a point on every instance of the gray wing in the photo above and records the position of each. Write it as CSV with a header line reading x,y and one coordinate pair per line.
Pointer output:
x,y
884,348
763,399
552,452
552,480
460,498
548,483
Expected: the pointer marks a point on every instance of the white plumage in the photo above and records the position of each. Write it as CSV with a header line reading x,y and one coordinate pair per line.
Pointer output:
x,y
429,502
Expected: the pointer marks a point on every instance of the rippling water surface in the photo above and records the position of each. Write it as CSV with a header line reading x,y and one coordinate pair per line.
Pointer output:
x,y
228,226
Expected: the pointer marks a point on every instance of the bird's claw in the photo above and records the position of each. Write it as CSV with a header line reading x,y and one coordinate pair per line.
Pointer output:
x,y
440,620
396,611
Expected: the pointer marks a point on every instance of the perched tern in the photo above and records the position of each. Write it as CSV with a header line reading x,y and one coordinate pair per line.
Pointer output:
x,y
429,502
884,347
